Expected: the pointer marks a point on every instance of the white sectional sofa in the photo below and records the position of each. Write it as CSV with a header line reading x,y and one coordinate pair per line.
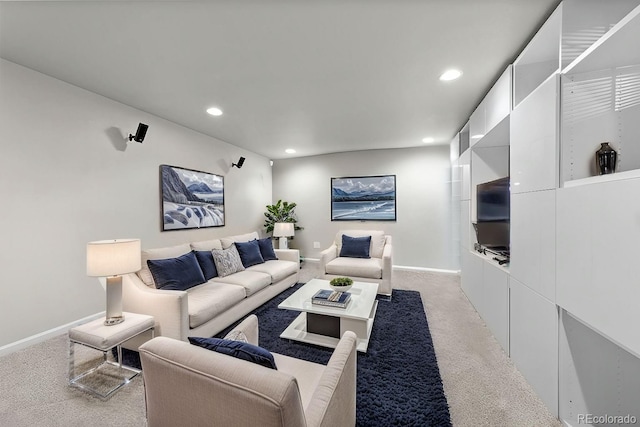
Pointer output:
x,y
208,308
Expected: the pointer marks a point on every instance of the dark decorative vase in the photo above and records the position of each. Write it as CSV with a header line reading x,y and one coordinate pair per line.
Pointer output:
x,y
606,159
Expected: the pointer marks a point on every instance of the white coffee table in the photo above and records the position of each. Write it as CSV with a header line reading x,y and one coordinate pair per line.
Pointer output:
x,y
322,325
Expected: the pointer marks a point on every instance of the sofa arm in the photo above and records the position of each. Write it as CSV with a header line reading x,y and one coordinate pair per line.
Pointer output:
x,y
334,400
169,308
327,255
288,255
249,327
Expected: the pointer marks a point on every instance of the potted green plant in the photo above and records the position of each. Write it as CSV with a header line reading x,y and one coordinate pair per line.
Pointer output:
x,y
280,212
341,284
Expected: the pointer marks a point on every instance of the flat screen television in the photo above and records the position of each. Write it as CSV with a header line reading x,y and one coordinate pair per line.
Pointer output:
x,y
493,214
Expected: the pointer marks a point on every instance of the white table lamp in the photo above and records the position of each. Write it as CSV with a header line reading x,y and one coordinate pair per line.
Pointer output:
x,y
283,230
110,259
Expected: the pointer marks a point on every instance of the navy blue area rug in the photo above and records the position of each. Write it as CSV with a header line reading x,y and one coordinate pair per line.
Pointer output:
x,y
399,382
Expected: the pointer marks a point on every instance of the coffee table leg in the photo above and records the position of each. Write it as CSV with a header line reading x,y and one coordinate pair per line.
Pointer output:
x,y
323,325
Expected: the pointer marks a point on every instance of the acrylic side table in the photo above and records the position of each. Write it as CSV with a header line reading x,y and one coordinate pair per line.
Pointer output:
x,y
108,376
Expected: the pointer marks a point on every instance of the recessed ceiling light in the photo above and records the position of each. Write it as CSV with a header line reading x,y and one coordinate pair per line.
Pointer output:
x,y
214,111
478,136
428,140
450,75
289,151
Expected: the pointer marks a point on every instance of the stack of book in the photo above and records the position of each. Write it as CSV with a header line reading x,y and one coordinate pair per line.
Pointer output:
x,y
331,298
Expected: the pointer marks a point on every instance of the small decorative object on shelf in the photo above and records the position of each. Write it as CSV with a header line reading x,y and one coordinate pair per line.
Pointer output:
x,y
341,284
606,159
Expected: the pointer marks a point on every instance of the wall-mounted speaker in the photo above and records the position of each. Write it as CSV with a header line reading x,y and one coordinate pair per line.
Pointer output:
x,y
140,133
239,164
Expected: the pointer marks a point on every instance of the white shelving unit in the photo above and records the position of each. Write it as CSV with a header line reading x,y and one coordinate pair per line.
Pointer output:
x,y
565,309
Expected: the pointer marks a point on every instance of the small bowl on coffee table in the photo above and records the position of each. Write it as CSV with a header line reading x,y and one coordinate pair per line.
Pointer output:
x,y
341,284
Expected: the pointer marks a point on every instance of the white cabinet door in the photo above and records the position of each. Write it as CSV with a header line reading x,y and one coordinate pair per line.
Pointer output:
x,y
495,303
533,341
598,260
533,241
534,140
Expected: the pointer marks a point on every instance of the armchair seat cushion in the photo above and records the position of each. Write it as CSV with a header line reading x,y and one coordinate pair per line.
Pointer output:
x,y
210,299
307,374
277,269
359,267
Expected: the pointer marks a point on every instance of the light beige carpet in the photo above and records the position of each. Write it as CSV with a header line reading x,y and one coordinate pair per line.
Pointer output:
x,y
482,385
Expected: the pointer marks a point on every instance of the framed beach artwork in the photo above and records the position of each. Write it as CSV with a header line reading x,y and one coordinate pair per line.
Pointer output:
x,y
363,198
191,198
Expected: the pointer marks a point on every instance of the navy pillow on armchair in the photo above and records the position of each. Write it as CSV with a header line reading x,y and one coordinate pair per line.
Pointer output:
x,y
355,247
237,349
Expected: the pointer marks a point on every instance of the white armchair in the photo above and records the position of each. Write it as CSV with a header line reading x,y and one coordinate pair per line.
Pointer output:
x,y
376,269
189,385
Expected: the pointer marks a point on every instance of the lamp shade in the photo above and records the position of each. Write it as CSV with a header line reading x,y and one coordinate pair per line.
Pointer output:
x,y
283,229
113,257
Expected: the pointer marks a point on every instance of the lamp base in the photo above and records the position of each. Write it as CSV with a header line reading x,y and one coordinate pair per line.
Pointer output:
x,y
114,314
110,321
284,244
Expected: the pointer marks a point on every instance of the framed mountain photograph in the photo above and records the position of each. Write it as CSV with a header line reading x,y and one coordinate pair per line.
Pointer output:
x,y
191,198
363,198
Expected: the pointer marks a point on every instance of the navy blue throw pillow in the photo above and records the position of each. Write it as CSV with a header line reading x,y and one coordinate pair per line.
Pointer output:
x,y
238,349
208,266
176,274
266,249
355,247
249,253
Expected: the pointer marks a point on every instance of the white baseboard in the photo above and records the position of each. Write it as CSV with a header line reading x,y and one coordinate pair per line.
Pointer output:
x,y
432,270
406,268
43,336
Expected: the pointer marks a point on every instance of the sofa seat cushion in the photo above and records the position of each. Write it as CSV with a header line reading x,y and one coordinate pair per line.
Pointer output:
x,y
251,281
307,374
277,270
210,299
359,267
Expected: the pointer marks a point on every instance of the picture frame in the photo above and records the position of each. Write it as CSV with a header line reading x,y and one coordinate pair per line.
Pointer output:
x,y
363,198
190,198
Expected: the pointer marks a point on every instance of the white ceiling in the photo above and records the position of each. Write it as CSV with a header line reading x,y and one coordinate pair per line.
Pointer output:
x,y
317,76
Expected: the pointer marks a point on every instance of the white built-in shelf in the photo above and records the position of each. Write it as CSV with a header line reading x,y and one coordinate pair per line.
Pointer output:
x,y
618,47
618,176
601,103
497,137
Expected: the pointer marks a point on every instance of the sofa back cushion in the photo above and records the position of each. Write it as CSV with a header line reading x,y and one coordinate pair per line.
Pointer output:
x,y
159,253
177,274
228,241
377,240
206,245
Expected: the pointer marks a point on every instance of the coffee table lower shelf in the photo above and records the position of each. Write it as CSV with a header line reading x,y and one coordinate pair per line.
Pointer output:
x,y
298,331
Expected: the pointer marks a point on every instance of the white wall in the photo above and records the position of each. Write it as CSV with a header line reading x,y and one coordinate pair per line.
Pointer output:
x,y
69,177
422,234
